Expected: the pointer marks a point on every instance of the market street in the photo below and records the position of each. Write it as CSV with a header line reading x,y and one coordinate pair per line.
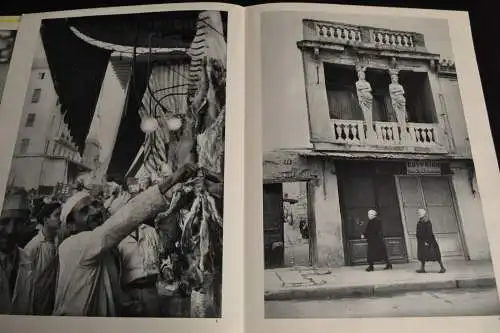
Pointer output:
x,y
455,302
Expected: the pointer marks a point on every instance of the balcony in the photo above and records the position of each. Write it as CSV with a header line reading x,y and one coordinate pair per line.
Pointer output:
x,y
365,36
387,136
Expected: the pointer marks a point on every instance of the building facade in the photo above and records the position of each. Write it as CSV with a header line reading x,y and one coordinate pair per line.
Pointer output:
x,y
388,132
45,153
7,38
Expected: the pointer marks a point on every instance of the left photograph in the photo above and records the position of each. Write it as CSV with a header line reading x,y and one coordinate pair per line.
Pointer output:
x,y
114,202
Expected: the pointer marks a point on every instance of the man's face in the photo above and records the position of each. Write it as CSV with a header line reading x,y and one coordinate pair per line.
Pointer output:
x,y
134,188
372,214
10,232
144,184
88,216
53,222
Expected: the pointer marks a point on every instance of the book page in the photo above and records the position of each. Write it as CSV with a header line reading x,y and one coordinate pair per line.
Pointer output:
x,y
371,181
120,128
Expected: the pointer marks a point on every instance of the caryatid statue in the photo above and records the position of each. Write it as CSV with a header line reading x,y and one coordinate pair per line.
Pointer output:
x,y
365,99
398,99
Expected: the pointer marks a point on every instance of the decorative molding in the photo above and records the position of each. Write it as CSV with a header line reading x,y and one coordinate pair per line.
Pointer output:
x,y
446,67
433,65
394,62
394,71
316,53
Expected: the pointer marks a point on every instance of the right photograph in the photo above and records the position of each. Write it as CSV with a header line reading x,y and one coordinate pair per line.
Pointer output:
x,y
370,200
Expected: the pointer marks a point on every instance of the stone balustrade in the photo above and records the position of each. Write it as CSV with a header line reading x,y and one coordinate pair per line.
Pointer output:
x,y
354,132
347,34
387,38
338,32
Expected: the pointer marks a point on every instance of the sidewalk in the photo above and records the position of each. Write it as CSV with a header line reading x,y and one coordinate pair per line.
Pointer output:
x,y
319,283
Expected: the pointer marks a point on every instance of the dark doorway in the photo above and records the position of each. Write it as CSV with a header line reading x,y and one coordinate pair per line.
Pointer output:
x,y
273,226
287,225
364,186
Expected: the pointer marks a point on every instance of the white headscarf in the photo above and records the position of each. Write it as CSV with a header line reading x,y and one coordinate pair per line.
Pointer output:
x,y
72,201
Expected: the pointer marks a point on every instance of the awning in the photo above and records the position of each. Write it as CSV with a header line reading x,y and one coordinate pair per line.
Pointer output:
x,y
78,68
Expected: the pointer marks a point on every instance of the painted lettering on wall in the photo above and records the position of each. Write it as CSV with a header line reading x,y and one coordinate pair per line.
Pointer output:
x,y
296,173
283,166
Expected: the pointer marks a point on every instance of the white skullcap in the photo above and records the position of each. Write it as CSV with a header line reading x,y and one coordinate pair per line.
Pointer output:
x,y
71,203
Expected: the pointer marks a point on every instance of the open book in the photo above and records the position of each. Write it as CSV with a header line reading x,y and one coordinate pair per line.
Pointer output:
x,y
238,168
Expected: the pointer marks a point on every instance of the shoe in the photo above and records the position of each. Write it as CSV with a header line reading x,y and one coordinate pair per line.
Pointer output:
x,y
443,270
388,266
370,269
420,270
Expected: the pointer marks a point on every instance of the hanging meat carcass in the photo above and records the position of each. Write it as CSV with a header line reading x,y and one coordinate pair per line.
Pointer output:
x,y
200,139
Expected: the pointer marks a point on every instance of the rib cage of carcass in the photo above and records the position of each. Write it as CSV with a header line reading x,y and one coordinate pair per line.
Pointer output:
x,y
165,99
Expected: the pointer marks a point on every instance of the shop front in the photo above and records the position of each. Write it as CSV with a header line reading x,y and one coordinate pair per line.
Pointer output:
x,y
396,190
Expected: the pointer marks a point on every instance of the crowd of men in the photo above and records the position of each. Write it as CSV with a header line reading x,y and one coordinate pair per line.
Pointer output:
x,y
93,255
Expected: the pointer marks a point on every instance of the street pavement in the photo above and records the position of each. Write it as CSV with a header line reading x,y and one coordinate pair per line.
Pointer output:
x,y
452,302
299,283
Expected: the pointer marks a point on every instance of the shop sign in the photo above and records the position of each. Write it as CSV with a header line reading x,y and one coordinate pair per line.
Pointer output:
x,y
423,168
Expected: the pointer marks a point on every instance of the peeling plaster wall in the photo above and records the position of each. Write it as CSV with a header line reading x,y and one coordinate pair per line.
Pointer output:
x,y
470,213
328,220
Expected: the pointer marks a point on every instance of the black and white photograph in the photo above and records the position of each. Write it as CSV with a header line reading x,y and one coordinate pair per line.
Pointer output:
x,y
114,200
371,206
7,39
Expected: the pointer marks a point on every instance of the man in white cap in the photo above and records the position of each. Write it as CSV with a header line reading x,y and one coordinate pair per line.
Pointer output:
x,y
88,272
16,266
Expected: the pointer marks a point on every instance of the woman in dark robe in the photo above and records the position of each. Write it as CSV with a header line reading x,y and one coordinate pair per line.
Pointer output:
x,y
377,250
427,246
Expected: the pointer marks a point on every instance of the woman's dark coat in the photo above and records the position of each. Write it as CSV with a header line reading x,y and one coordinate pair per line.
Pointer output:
x,y
377,250
427,246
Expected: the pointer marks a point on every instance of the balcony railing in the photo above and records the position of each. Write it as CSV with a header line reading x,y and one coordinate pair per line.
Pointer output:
x,y
368,36
355,132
